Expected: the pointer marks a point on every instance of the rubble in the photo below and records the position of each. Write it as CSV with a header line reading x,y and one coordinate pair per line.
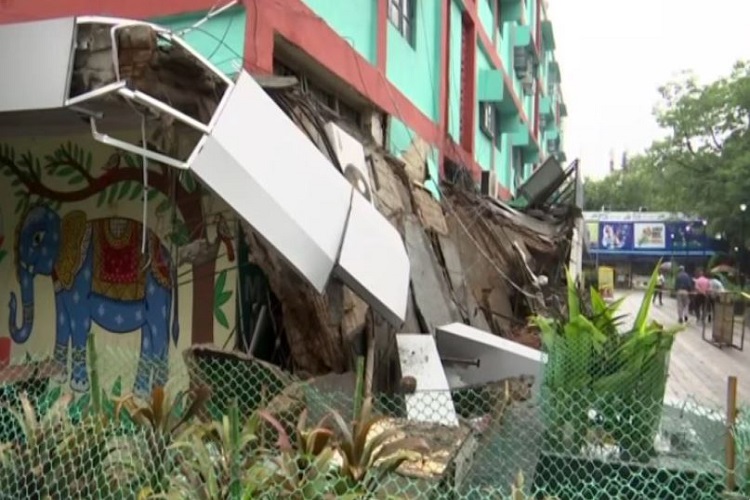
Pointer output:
x,y
474,260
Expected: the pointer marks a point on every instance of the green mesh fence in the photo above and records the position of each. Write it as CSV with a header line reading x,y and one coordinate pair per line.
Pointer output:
x,y
228,426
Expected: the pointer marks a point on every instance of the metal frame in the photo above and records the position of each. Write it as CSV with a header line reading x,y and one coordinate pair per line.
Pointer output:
x,y
139,97
710,339
126,146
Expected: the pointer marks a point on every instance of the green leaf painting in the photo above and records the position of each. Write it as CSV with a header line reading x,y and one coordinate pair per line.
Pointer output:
x,y
221,297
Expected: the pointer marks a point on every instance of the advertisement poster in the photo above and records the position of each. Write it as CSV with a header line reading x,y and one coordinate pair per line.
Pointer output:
x,y
615,235
686,236
606,282
649,235
592,234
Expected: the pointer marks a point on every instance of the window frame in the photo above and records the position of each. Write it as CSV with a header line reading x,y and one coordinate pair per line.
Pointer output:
x,y
406,19
488,129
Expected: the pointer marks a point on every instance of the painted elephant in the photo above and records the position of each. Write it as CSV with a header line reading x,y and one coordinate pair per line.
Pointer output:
x,y
100,275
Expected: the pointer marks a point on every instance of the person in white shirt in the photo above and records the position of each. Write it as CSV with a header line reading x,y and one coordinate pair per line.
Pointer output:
x,y
659,290
716,287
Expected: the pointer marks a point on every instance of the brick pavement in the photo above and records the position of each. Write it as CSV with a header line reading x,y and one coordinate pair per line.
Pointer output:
x,y
698,370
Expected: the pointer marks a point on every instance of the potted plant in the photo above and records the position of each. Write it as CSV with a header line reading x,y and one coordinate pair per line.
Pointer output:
x,y
603,381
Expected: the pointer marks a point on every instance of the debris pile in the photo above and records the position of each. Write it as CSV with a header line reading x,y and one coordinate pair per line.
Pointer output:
x,y
474,259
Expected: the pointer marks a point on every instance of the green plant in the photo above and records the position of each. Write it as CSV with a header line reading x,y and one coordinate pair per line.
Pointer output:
x,y
593,364
57,456
214,459
160,420
366,458
303,467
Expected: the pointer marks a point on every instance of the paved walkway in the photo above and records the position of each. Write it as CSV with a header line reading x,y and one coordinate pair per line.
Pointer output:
x,y
698,371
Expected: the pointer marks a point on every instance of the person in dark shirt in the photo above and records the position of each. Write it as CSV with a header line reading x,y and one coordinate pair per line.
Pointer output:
x,y
683,285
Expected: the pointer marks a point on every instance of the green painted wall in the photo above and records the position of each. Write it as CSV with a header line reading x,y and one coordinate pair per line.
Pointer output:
x,y
400,140
354,20
221,39
486,17
454,62
414,70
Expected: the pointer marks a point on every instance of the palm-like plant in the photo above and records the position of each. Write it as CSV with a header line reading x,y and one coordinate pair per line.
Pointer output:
x,y
160,419
592,362
366,458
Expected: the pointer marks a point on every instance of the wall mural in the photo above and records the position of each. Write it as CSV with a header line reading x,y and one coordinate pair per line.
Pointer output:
x,y
103,275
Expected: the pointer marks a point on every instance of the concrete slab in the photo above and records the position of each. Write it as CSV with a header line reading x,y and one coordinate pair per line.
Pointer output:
x,y
498,358
432,401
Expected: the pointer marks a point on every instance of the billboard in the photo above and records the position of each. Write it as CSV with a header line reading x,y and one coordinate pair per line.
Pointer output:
x,y
649,235
592,235
615,235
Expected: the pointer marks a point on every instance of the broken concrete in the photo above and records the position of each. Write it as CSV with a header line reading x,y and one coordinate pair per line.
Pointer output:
x,y
431,292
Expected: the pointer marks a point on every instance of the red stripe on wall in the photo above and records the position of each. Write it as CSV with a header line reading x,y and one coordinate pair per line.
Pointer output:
x,y
382,34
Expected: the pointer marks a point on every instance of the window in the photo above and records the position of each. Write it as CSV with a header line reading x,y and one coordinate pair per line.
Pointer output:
x,y
487,117
401,13
322,96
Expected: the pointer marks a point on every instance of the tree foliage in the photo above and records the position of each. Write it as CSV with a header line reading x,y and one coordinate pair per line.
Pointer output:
x,y
701,167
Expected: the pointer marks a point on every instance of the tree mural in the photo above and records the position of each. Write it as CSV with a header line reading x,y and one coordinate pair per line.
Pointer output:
x,y
176,193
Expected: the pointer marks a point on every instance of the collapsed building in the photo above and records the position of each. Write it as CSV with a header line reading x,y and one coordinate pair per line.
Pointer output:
x,y
163,198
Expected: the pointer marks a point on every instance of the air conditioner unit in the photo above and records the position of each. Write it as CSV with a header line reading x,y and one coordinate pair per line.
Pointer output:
x,y
351,156
520,60
488,183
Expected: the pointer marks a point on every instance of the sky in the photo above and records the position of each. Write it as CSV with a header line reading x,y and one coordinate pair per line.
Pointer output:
x,y
615,54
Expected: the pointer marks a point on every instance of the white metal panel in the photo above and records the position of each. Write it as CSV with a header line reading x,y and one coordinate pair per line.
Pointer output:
x,y
373,261
275,178
35,60
419,358
499,358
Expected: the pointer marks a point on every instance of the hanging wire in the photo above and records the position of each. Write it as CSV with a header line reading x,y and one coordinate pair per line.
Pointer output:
x,y
144,160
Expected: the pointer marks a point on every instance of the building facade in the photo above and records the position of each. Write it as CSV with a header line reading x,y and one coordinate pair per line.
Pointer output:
x,y
459,84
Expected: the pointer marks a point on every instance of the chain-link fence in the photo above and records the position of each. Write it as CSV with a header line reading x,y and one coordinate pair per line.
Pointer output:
x,y
228,426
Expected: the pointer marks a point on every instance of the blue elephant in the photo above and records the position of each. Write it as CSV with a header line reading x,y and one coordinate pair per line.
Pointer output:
x,y
100,276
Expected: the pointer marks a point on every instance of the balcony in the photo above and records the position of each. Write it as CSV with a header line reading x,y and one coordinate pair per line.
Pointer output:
x,y
548,35
546,112
522,138
512,10
491,86
553,72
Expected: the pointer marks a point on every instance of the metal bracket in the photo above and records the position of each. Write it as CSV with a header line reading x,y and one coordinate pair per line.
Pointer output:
x,y
126,146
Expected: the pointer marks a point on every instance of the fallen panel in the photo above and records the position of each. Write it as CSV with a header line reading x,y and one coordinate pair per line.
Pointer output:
x,y
432,401
455,270
499,358
373,261
36,61
250,153
430,289
266,169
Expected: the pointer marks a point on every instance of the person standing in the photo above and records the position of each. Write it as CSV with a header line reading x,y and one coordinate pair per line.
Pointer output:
x,y
683,286
659,290
716,288
702,291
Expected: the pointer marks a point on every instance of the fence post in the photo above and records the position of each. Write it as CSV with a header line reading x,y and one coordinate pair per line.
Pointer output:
x,y
730,422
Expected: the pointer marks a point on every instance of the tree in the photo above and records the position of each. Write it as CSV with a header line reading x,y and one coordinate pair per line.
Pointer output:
x,y
700,167
122,179
708,148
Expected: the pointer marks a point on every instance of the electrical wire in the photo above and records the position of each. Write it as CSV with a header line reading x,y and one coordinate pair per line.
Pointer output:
x,y
144,161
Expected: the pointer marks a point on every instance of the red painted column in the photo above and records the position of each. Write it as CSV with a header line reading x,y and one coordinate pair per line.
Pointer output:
x,y
382,35
468,84
259,40
444,96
